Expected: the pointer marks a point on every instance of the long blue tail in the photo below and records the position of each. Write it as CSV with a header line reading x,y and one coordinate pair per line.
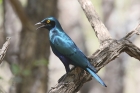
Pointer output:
x,y
96,77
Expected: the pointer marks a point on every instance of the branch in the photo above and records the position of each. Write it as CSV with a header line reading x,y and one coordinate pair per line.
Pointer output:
x,y
74,80
136,31
100,30
132,50
4,49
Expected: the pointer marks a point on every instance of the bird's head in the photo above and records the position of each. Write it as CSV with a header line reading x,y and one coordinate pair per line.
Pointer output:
x,y
47,23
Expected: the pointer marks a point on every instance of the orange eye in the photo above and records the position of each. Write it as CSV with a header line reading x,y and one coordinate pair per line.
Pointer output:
x,y
48,21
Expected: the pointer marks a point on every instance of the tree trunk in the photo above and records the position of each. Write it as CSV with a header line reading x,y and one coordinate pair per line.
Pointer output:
x,y
33,48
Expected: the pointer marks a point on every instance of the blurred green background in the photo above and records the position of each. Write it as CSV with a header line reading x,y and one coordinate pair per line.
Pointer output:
x,y
31,67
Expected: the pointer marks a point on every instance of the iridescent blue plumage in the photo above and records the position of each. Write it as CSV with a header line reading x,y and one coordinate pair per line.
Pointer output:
x,y
65,49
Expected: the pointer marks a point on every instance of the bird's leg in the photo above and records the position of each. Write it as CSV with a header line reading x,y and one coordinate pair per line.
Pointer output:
x,y
67,70
62,78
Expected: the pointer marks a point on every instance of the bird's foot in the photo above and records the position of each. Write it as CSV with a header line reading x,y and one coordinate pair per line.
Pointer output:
x,y
62,78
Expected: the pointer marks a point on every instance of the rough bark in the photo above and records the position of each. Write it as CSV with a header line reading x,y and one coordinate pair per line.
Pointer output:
x,y
77,77
107,52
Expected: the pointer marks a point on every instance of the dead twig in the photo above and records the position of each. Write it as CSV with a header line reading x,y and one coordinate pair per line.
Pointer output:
x,y
4,49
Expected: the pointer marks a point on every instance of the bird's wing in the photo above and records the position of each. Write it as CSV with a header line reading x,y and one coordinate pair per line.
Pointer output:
x,y
64,60
65,46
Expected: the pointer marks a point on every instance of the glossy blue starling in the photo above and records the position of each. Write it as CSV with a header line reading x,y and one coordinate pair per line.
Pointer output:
x,y
65,49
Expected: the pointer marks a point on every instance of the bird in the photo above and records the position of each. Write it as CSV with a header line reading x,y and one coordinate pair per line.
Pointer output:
x,y
65,49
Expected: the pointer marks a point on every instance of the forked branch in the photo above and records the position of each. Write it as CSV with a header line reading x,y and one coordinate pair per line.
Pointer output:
x,y
108,51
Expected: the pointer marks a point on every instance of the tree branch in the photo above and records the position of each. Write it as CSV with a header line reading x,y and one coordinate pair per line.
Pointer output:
x,y
99,28
77,77
136,31
73,81
132,50
4,49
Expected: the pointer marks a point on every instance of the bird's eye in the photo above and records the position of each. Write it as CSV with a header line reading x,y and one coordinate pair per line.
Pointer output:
x,y
48,21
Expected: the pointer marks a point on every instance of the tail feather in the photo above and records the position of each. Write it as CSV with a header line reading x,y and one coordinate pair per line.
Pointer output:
x,y
96,77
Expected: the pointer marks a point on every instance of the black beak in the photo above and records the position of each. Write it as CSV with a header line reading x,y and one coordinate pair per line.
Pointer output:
x,y
40,23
